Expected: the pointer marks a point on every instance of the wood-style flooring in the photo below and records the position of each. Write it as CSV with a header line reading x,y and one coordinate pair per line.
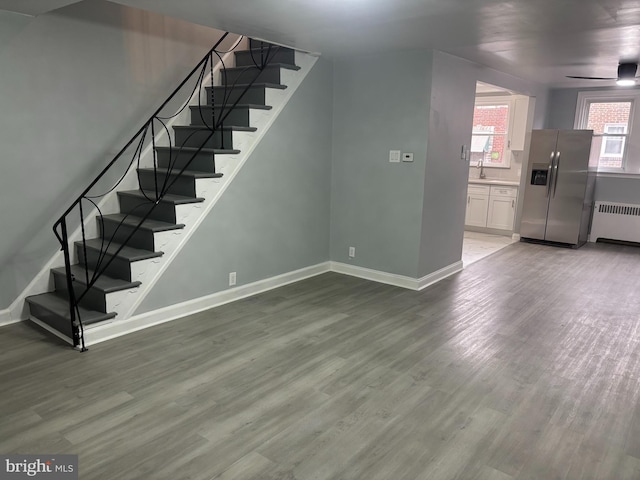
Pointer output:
x,y
524,366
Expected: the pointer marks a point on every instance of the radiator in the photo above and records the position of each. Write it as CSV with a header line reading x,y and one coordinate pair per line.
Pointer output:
x,y
615,221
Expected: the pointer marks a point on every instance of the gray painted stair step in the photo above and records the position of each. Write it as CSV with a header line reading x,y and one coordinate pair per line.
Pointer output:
x,y
100,255
280,55
271,73
134,202
197,135
53,309
255,94
172,181
201,160
95,298
258,44
236,116
119,227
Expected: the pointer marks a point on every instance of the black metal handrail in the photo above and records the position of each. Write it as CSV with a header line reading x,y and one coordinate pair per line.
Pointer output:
x,y
146,137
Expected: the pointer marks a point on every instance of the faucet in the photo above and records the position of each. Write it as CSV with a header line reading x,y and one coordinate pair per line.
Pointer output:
x,y
480,165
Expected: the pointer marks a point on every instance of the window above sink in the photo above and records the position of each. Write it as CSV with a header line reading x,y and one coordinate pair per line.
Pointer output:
x,y
489,139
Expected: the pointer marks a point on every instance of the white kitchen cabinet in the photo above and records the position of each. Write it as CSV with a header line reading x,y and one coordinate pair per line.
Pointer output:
x,y
518,122
477,205
502,207
491,206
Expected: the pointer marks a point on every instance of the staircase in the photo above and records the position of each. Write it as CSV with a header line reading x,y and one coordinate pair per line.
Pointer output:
x,y
112,272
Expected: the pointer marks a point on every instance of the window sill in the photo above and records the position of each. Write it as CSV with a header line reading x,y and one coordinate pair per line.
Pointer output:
x,y
618,175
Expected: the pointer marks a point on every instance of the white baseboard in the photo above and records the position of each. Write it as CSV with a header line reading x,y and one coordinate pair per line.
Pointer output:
x,y
438,275
515,237
394,279
145,320
115,328
375,275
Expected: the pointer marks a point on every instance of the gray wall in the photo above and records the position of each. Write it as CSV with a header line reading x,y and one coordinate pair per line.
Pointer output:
x,y
274,217
562,108
381,103
74,85
445,182
609,188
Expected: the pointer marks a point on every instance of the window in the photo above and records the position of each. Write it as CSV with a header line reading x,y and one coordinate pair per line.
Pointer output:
x,y
610,121
610,114
613,146
489,136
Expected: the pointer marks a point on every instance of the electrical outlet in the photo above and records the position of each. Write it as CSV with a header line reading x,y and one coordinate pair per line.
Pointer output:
x,y
232,279
394,156
407,157
352,252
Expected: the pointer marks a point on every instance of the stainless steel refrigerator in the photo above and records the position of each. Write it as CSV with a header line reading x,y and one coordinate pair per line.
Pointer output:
x,y
558,196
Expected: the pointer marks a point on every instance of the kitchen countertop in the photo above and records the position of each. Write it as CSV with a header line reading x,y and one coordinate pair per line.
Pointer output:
x,y
489,181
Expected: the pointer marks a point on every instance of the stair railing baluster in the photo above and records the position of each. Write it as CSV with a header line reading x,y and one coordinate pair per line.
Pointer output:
x,y
67,265
155,158
213,106
84,244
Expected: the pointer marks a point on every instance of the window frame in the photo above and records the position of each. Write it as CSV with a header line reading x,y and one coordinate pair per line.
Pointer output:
x,y
631,145
497,101
608,135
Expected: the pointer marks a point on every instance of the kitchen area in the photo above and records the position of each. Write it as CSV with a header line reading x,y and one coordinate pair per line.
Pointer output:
x,y
496,155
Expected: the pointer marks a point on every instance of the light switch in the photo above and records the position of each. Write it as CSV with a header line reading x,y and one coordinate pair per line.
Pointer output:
x,y
407,157
394,156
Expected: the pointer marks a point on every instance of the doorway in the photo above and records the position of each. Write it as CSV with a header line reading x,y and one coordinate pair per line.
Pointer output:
x,y
496,155
477,246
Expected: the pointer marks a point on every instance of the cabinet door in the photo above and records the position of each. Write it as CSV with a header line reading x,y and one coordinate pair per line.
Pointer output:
x,y
477,206
519,123
501,213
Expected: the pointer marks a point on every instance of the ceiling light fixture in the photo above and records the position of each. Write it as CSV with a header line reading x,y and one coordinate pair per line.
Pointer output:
x,y
627,74
626,82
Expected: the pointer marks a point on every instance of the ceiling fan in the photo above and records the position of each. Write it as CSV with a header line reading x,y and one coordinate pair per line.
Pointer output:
x,y
626,75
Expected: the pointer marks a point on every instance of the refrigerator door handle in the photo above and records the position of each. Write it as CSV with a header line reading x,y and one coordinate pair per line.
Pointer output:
x,y
555,174
550,174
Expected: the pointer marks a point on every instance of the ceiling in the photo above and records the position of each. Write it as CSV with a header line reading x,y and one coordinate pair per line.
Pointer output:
x,y
538,40
33,7
486,89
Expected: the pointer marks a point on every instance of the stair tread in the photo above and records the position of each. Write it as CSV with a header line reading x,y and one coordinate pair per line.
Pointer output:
x,y
287,66
255,106
204,127
59,305
104,283
265,48
186,173
148,224
168,197
277,86
129,253
217,151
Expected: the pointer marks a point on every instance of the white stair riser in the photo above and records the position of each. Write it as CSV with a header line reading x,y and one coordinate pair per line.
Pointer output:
x,y
163,241
116,301
144,270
